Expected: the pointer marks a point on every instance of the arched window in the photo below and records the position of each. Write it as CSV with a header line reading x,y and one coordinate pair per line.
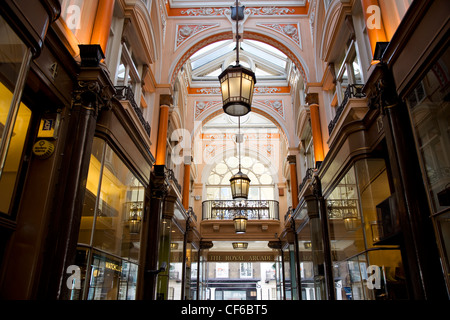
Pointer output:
x,y
262,186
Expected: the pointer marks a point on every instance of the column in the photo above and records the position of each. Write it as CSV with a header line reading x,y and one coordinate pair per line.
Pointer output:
x,y
102,24
313,100
158,191
294,184
202,271
374,23
161,147
316,247
186,181
93,92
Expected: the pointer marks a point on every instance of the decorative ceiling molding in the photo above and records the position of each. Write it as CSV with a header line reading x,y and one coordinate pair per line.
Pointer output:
x,y
290,30
187,31
257,91
203,106
261,11
275,105
224,3
215,8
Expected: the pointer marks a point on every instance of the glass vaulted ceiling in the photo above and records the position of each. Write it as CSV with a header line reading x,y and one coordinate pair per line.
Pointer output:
x,y
268,63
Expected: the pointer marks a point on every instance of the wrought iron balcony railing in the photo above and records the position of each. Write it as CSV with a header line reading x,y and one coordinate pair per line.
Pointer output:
x,y
253,209
308,176
126,93
352,91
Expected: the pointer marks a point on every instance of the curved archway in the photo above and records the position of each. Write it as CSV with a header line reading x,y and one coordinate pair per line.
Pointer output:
x,y
212,114
250,35
223,156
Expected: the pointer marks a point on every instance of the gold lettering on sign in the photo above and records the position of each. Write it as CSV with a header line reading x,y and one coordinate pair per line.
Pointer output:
x,y
113,266
227,257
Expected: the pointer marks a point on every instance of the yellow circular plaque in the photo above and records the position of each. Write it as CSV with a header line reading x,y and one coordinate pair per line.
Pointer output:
x,y
43,149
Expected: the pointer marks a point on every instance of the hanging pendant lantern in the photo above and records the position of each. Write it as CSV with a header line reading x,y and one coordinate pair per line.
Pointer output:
x,y
240,223
240,245
237,82
135,219
240,184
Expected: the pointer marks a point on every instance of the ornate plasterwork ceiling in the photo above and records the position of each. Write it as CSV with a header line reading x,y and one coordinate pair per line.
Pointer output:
x,y
227,3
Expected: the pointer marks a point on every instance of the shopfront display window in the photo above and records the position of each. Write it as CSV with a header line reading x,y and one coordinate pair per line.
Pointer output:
x,y
364,267
429,108
110,226
14,116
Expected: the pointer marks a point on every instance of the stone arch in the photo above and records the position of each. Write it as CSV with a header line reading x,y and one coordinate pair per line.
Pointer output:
x,y
250,35
212,114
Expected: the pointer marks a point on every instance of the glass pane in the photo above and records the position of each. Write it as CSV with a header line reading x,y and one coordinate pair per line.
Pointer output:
x,y
430,113
14,157
106,273
374,189
267,193
346,234
12,51
387,276
443,227
176,263
90,196
357,75
306,263
235,85
121,196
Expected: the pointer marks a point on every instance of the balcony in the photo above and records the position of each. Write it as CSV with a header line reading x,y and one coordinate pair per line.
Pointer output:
x,y
126,94
253,209
353,91
305,182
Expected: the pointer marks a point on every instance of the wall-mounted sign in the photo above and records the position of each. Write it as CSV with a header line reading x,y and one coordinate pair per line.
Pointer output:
x,y
48,127
43,149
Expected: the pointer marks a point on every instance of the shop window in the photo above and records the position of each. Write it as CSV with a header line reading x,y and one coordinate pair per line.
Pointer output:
x,y
110,225
348,71
171,246
14,116
354,235
429,108
222,270
245,270
308,148
111,278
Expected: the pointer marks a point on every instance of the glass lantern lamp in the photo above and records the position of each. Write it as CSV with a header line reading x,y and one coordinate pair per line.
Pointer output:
x,y
240,223
237,82
135,219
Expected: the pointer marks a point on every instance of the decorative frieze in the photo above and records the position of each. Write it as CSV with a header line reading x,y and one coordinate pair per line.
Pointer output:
x,y
275,105
187,31
257,11
290,30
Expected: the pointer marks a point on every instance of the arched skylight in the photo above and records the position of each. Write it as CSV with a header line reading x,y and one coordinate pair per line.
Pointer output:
x,y
266,61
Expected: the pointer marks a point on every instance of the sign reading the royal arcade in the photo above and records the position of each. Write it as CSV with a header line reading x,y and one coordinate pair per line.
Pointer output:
x,y
234,257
